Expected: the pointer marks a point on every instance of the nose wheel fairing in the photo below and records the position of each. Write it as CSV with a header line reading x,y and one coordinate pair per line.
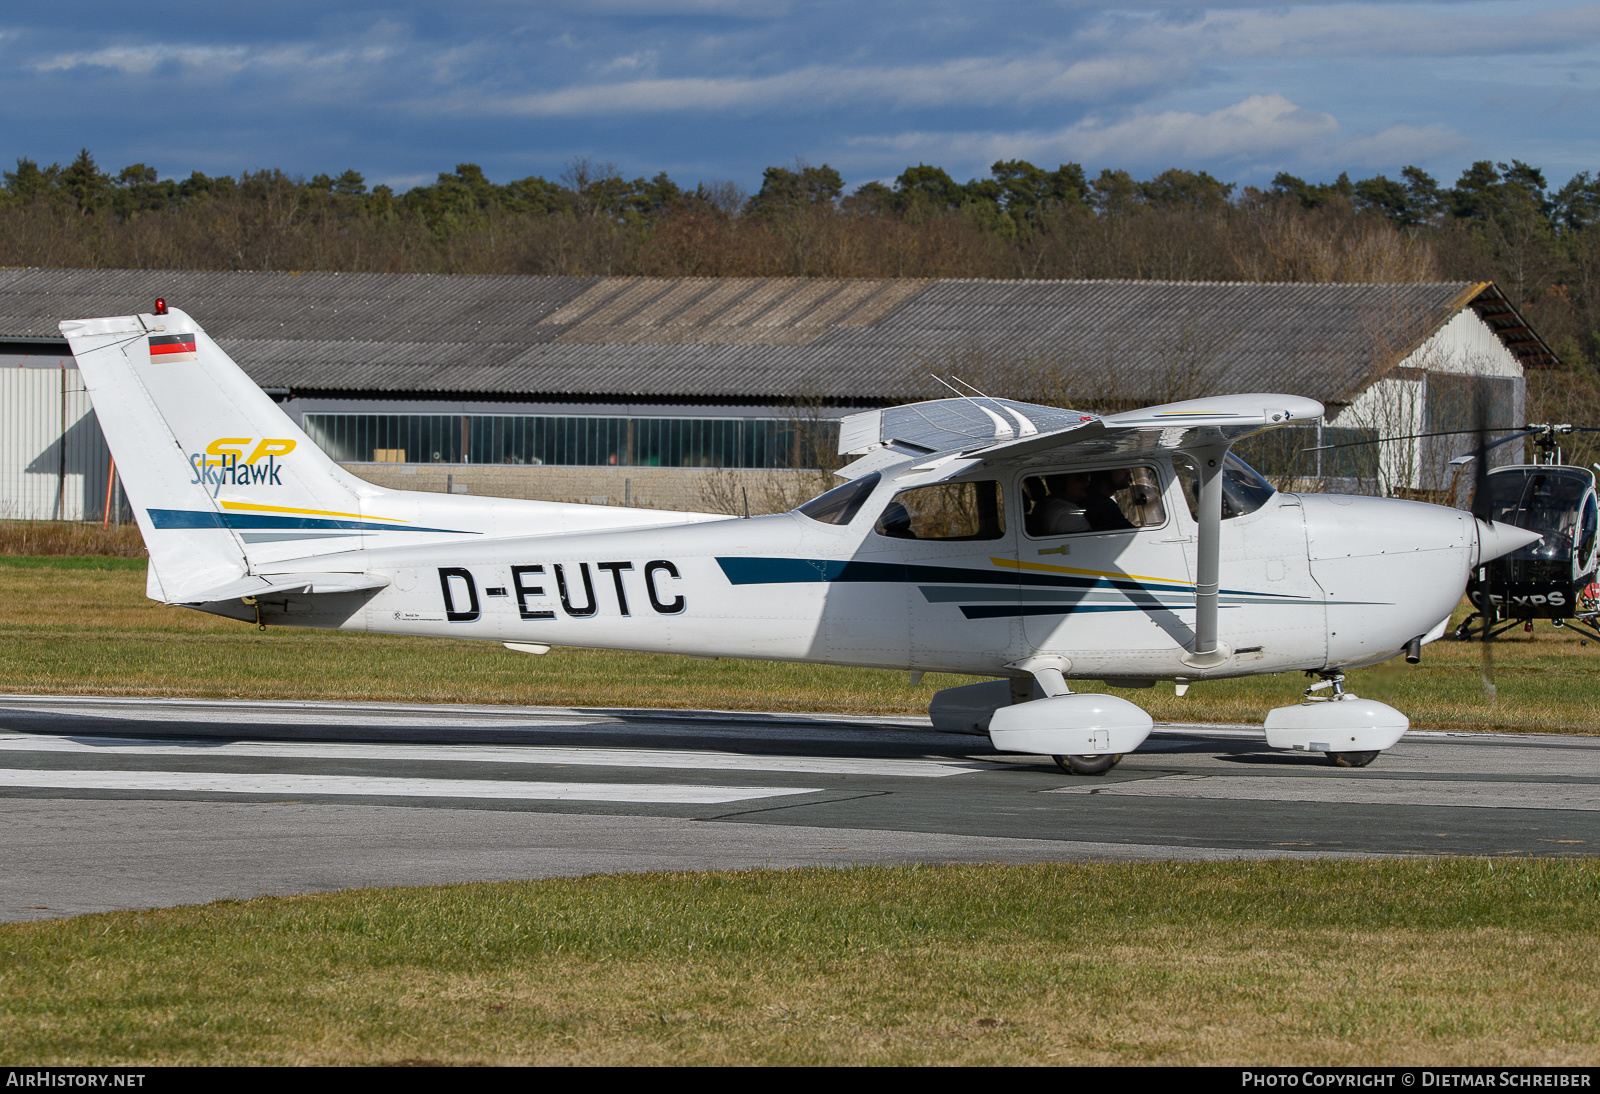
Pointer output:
x,y
1341,725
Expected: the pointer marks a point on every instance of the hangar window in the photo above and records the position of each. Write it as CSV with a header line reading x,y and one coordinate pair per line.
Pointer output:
x,y
947,510
572,441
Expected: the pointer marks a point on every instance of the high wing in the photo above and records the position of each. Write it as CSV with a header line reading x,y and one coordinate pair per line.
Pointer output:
x,y
988,429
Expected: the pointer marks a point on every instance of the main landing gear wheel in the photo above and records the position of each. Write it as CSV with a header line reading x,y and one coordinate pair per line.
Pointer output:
x,y
1352,759
1093,765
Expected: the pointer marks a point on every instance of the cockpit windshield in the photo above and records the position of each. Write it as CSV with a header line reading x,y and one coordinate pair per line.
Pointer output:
x,y
1243,489
841,504
1548,500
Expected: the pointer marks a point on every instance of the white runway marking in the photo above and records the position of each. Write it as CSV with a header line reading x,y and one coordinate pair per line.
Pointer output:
x,y
588,757
366,786
1356,790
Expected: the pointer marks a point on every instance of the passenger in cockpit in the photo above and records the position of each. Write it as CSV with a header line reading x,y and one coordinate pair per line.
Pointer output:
x,y
1063,510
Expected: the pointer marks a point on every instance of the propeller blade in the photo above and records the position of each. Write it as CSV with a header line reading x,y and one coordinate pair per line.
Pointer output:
x,y
1481,509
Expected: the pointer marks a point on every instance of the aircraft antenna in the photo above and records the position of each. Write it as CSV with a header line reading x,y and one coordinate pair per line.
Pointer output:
x,y
1002,428
970,387
958,392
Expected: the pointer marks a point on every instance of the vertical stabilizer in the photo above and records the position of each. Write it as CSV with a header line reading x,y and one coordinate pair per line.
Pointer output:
x,y
212,466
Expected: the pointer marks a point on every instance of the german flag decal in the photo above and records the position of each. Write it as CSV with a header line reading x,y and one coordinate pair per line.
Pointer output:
x,y
172,347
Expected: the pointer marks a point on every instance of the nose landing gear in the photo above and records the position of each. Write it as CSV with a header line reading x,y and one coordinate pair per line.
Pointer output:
x,y
1353,759
1348,730
1089,765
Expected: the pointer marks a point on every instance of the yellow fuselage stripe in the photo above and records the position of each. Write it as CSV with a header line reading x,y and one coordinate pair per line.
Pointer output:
x,y
252,507
1015,564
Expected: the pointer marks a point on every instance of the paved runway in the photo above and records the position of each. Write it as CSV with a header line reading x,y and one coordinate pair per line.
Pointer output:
x,y
129,803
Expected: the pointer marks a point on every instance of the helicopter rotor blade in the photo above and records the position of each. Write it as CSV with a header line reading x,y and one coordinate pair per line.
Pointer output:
x,y
1523,431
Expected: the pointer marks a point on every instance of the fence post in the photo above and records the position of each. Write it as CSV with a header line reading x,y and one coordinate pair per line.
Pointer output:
x,y
61,449
111,478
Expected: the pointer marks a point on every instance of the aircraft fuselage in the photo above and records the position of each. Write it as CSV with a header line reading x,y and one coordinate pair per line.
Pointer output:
x,y
1312,582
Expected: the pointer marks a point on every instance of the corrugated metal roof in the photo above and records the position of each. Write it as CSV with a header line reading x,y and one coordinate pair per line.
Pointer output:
x,y
765,338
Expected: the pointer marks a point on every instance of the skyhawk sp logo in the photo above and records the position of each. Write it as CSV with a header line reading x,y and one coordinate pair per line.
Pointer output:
x,y
224,463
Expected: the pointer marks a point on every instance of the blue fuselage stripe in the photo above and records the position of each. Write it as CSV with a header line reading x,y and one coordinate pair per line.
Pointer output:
x,y
197,518
1003,590
788,571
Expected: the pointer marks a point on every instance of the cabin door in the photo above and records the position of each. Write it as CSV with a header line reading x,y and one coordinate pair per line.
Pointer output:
x,y
1103,574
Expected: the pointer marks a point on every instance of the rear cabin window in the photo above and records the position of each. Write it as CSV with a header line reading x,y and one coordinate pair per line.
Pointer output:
x,y
1115,500
946,511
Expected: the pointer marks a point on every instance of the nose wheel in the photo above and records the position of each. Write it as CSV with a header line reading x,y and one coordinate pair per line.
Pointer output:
x,y
1092,765
1352,759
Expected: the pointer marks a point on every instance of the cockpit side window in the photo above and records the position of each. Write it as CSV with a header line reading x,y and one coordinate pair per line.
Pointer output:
x,y
1548,500
1107,500
947,511
841,504
1243,489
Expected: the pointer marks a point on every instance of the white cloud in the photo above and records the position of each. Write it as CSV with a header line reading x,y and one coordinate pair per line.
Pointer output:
x,y
643,60
143,60
1113,57
1340,30
984,81
1260,125
302,72
1401,144
742,9
1256,125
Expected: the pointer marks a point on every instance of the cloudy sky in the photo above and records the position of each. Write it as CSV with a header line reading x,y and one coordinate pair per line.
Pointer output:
x,y
718,89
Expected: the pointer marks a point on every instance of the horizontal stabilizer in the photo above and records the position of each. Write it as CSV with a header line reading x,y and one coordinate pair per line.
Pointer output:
x,y
296,584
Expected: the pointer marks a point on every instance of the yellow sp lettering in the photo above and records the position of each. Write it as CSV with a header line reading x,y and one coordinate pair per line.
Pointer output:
x,y
235,446
271,446
227,446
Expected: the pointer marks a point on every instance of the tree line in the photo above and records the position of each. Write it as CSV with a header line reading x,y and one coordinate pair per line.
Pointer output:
x,y
1503,222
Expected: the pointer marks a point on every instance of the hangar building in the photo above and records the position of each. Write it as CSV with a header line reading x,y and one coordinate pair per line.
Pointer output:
x,y
601,389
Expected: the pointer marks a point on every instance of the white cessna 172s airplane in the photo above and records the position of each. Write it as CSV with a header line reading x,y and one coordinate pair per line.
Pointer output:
x,y
974,535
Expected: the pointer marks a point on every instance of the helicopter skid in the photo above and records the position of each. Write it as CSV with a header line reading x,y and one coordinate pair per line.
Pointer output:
x,y
1346,724
1070,725
1466,632
1585,623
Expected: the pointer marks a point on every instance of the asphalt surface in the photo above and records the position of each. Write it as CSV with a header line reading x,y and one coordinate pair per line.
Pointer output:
x,y
137,803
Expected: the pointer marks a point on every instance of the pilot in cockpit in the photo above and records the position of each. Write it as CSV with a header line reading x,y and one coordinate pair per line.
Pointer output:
x,y
1102,510
896,522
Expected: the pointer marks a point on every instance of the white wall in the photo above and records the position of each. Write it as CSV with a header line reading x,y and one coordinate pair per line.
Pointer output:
x,y
33,454
1397,406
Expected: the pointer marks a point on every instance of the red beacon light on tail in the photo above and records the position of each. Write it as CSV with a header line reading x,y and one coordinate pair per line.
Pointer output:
x,y
161,305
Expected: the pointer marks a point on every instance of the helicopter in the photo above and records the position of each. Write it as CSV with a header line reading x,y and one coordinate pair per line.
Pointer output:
x,y
1553,577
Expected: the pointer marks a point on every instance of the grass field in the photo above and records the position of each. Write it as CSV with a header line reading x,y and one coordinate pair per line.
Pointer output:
x,y
1382,962
83,626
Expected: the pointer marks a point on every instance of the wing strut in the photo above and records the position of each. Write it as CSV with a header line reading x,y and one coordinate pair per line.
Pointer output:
x,y
1207,651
